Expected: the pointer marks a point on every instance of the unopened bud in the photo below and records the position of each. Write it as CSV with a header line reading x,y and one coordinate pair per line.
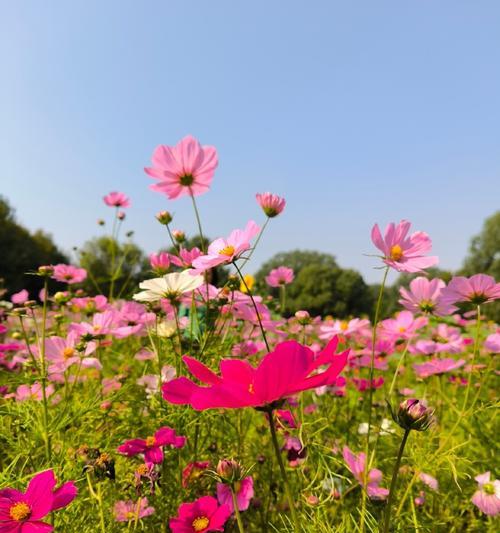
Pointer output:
x,y
45,270
120,215
178,235
230,470
414,414
164,217
303,317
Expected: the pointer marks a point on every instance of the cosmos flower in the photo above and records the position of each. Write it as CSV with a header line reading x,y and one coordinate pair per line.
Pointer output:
x,y
170,286
402,252
280,276
117,199
69,274
288,370
22,512
477,289
271,204
205,514
184,169
356,464
424,296
243,490
130,510
437,366
487,496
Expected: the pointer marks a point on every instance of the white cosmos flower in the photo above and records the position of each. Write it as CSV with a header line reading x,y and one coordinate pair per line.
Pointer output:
x,y
169,286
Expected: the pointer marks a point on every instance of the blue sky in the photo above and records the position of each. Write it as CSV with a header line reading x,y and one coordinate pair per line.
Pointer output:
x,y
356,112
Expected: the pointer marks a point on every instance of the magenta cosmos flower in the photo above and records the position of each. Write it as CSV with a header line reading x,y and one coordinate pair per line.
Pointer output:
x,y
271,204
223,251
402,252
117,199
69,274
290,369
243,490
487,497
425,296
152,447
477,289
186,168
21,512
205,514
279,276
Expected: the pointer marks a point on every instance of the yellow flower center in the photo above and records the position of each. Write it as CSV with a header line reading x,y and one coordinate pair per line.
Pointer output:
x,y
142,470
130,515
402,329
68,352
19,511
251,390
228,250
150,441
489,488
200,523
97,328
344,325
396,252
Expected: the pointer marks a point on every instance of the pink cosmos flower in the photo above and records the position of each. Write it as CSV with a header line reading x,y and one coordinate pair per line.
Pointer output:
x,y
62,353
437,366
186,168
271,204
477,289
247,348
21,512
430,481
288,370
116,199
425,296
280,276
160,262
356,464
69,274
444,339
492,343
402,252
343,327
19,298
152,447
31,392
243,490
130,510
224,251
403,326
487,497
186,257
204,514
193,471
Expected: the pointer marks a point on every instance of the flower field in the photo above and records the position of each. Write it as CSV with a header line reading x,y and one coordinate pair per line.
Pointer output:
x,y
203,406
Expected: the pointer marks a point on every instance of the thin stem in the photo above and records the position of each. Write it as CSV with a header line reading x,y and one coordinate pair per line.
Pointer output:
x,y
282,298
249,292
198,220
394,482
236,510
277,451
257,240
113,256
396,372
97,496
43,376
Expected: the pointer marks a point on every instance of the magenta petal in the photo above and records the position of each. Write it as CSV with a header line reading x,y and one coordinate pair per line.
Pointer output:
x,y
132,447
64,495
39,494
154,455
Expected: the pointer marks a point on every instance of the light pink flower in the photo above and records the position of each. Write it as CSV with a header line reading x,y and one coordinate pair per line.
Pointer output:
x,y
271,204
116,199
224,251
487,497
343,327
31,392
280,276
492,343
62,353
69,274
130,510
424,296
356,464
403,326
186,168
437,366
477,289
430,481
19,298
160,262
243,490
402,252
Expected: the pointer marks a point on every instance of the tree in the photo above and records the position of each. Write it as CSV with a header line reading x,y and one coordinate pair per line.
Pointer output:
x,y
320,285
130,266
22,252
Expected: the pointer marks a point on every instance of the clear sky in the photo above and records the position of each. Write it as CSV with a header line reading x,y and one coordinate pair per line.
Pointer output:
x,y
356,112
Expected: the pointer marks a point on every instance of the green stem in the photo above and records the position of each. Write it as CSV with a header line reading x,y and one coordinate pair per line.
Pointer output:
x,y
249,292
113,256
394,482
257,240
282,298
43,371
236,510
198,220
97,496
277,451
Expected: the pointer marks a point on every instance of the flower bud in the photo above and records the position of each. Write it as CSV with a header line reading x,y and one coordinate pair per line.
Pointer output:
x,y
45,270
178,235
303,317
100,222
233,282
164,217
61,297
30,304
229,470
414,414
120,215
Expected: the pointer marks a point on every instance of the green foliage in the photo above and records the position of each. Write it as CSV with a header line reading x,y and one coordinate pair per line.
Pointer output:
x,y
105,258
320,285
22,251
